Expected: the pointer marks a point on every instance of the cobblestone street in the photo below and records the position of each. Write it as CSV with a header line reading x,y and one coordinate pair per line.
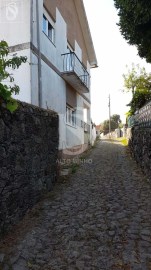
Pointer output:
x,y
99,218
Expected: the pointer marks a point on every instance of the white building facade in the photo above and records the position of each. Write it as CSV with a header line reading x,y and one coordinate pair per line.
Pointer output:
x,y
55,37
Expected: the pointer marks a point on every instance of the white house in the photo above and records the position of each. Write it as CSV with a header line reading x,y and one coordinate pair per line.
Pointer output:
x,y
55,37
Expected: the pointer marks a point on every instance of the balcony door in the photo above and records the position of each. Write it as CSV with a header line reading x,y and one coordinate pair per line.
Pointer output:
x,y
70,59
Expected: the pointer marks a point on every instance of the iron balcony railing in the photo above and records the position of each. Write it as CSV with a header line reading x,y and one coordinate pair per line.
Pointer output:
x,y
72,64
142,118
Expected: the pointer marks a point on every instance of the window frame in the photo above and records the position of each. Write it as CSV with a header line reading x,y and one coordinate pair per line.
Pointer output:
x,y
48,26
70,116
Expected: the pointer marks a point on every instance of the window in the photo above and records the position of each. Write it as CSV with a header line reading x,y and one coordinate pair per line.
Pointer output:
x,y
70,116
48,29
50,32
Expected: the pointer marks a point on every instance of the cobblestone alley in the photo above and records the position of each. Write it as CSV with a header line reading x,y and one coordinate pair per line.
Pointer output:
x,y
99,218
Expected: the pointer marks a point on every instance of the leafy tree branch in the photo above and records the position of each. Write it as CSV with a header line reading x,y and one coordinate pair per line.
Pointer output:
x,y
135,24
115,123
6,64
138,82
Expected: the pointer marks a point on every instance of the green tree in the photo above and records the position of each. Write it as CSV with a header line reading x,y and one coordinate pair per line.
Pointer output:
x,y
138,100
135,24
115,121
6,64
138,81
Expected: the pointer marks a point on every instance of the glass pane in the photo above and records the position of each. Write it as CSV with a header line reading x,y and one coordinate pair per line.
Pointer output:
x,y
73,118
44,25
69,62
50,32
70,116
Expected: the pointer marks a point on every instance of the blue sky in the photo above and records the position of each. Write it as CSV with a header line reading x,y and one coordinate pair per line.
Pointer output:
x,y
113,54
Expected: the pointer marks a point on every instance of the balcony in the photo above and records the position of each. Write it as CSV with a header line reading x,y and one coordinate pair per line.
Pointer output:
x,y
85,126
75,73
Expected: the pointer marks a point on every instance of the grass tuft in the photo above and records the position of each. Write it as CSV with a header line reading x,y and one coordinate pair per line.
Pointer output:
x,y
123,140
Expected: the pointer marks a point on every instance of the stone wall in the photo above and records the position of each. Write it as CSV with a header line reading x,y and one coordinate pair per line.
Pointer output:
x,y
28,153
140,145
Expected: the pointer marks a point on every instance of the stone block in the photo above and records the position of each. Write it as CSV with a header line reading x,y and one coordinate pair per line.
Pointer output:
x,y
28,153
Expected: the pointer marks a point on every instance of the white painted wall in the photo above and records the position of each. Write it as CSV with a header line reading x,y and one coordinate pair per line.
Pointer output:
x,y
54,97
15,22
88,67
53,86
61,39
75,135
53,51
93,135
78,50
19,31
34,20
15,29
22,78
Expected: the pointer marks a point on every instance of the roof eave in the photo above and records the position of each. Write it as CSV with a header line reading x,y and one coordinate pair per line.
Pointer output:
x,y
86,33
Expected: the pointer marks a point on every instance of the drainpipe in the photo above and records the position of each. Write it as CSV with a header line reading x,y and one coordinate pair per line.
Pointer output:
x,y
39,56
31,42
109,117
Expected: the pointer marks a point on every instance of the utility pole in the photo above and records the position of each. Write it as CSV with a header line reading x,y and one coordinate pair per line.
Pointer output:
x,y
109,117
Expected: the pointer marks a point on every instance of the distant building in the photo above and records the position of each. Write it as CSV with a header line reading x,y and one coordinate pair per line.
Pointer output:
x,y
98,128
